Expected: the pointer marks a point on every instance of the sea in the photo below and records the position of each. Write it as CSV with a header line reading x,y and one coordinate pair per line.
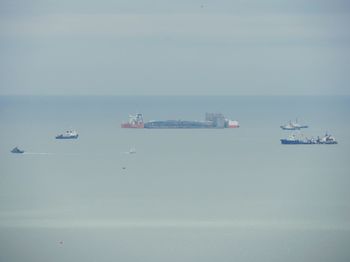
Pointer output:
x,y
186,194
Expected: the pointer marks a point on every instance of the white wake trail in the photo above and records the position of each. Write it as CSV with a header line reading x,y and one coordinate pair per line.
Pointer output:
x,y
37,153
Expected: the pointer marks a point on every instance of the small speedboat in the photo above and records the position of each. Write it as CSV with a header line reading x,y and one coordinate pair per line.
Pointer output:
x,y
69,134
16,150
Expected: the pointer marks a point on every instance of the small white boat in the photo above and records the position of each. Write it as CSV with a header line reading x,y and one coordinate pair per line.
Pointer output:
x,y
293,126
69,134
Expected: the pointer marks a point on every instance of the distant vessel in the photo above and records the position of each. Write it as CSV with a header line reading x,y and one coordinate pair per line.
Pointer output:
x,y
69,134
327,139
135,121
132,151
293,126
16,150
295,140
212,120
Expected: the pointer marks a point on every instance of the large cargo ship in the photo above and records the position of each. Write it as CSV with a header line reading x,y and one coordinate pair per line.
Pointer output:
x,y
178,124
212,120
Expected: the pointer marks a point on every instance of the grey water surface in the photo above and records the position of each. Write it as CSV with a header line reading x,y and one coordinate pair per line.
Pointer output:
x,y
186,195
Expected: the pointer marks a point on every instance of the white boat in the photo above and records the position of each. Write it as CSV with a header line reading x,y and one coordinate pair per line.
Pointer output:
x,y
293,126
69,134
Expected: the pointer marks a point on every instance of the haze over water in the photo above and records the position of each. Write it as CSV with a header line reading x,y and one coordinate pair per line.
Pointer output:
x,y
186,195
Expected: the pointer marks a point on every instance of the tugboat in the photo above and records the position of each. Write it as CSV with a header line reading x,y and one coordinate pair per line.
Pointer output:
x,y
69,134
327,140
293,126
16,150
293,140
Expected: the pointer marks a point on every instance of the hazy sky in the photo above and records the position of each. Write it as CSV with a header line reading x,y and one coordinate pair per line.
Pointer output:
x,y
181,47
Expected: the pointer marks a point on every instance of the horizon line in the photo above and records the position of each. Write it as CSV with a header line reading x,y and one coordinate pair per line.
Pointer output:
x,y
173,95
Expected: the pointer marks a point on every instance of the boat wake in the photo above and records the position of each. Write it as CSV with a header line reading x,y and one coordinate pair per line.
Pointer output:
x,y
130,152
37,153
50,154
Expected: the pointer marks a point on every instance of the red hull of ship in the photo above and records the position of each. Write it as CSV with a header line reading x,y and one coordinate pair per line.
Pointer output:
x,y
128,125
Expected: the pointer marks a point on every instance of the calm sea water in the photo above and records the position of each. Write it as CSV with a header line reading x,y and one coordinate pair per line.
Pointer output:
x,y
186,195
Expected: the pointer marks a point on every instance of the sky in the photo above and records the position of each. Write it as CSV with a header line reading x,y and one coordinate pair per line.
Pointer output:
x,y
140,47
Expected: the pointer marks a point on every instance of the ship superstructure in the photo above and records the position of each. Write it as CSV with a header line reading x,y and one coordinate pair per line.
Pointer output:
x,y
135,121
327,139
